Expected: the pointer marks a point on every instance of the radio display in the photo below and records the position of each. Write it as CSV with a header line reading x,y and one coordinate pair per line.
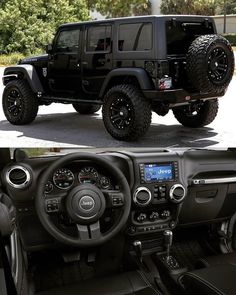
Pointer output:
x,y
158,172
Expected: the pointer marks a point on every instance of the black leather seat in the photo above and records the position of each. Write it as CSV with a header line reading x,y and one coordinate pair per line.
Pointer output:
x,y
229,258
214,280
124,284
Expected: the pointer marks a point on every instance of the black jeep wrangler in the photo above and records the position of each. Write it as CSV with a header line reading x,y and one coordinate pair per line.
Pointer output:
x,y
131,66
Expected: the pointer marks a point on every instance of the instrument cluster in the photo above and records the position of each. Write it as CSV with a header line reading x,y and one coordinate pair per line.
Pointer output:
x,y
65,178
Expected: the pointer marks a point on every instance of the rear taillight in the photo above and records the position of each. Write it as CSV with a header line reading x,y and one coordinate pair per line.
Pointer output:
x,y
157,69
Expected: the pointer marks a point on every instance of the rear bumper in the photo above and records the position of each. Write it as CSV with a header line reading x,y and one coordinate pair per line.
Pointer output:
x,y
178,96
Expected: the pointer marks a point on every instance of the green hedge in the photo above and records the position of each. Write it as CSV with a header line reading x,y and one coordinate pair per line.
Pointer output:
x,y
10,59
231,38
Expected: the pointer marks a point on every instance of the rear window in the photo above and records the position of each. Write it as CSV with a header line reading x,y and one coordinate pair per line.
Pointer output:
x,y
135,37
181,34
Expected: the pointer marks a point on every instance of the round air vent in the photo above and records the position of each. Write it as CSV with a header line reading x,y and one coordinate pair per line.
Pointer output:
x,y
142,196
18,176
177,193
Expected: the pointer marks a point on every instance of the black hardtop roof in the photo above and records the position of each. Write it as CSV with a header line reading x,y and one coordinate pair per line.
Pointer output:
x,y
146,17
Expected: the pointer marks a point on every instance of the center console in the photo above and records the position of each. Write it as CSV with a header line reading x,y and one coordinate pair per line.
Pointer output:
x,y
157,196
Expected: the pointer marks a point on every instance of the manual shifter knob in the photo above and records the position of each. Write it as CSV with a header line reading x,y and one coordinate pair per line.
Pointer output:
x,y
168,238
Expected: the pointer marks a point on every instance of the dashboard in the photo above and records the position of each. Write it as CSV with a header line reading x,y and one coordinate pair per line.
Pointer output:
x,y
168,188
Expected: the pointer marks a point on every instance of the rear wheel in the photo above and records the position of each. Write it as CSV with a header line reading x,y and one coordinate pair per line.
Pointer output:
x,y
20,104
197,114
126,113
86,109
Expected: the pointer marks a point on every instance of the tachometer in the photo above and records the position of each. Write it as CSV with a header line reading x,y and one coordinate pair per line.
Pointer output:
x,y
63,178
88,175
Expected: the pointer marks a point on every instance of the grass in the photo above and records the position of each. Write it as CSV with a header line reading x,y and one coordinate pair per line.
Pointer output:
x,y
10,59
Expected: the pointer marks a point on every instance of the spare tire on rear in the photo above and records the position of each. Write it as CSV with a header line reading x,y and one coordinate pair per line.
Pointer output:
x,y
210,64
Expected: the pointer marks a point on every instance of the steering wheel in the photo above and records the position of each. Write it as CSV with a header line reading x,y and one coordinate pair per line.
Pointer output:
x,y
84,204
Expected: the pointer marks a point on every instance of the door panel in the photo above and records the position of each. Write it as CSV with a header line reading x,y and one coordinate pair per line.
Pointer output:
x,y
64,62
97,57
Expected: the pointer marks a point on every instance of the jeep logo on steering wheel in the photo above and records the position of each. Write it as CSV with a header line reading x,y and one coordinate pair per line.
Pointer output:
x,y
86,203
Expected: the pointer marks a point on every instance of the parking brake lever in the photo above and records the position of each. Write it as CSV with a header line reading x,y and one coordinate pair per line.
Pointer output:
x,y
168,239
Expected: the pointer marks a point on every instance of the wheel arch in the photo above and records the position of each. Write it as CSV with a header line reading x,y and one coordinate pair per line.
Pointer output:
x,y
26,72
124,76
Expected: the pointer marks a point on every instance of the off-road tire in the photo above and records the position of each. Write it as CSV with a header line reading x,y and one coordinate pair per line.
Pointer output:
x,y
138,112
210,64
86,109
207,113
28,103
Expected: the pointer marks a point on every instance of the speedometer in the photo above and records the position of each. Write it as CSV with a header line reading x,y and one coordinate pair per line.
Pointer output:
x,y
88,175
63,178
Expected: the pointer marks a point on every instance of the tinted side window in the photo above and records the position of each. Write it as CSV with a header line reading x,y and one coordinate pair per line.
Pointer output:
x,y
68,41
99,38
135,37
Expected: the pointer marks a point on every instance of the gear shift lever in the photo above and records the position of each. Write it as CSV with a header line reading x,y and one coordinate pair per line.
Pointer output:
x,y
138,250
168,239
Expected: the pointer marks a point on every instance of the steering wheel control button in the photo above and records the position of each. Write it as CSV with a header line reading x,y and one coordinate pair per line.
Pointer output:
x,y
177,193
87,203
142,196
52,206
117,200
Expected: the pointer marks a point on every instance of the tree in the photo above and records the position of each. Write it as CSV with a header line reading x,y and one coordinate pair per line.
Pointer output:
x,y
120,8
230,6
28,25
198,7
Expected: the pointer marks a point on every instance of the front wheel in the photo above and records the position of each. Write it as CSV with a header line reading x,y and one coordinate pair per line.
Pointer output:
x,y
20,104
197,114
126,113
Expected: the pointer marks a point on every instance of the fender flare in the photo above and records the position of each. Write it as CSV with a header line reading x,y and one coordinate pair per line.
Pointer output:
x,y
139,73
28,72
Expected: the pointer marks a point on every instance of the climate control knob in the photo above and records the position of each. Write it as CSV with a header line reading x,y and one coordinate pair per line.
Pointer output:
x,y
154,216
177,193
142,196
141,217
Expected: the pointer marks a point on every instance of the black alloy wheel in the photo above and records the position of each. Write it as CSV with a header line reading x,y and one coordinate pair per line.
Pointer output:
x,y
126,113
20,104
217,65
121,113
14,102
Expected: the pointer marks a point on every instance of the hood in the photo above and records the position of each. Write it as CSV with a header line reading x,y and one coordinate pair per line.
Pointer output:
x,y
34,59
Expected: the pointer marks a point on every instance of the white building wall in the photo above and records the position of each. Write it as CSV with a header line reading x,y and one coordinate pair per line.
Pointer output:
x,y
156,6
230,23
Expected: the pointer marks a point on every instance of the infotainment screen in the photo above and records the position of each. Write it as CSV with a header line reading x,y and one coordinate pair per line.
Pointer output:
x,y
158,172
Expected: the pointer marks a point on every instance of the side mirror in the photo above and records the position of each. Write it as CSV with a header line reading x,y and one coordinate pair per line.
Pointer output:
x,y
49,48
